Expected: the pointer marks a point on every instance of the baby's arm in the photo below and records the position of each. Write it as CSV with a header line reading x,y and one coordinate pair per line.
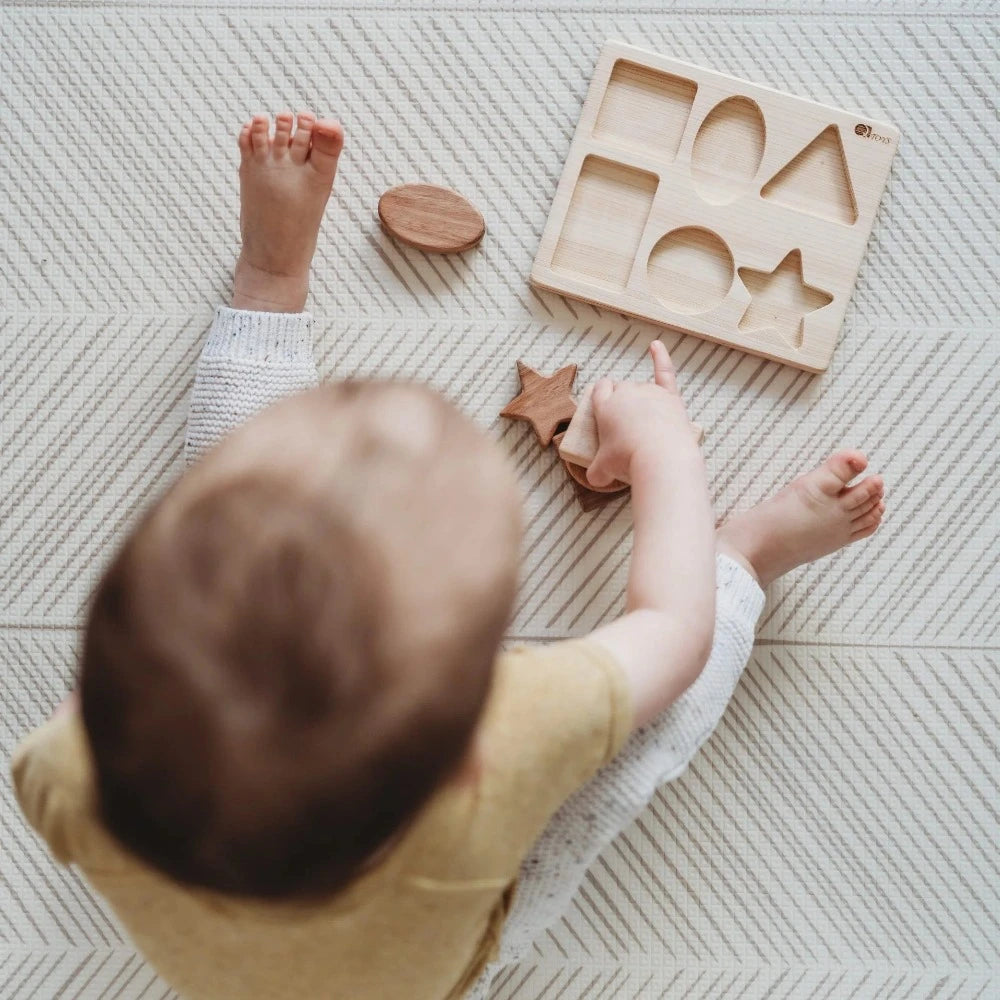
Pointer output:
x,y
675,619
663,640
250,360
656,753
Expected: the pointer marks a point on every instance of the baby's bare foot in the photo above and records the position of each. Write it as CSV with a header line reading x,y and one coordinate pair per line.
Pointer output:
x,y
285,182
810,518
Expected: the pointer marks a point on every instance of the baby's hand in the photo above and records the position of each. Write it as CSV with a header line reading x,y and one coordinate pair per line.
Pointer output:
x,y
639,423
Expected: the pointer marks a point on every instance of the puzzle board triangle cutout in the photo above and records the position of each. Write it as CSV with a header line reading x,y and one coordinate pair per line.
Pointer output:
x,y
816,181
680,179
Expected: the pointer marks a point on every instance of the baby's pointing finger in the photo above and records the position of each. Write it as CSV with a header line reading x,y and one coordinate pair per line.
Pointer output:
x,y
664,373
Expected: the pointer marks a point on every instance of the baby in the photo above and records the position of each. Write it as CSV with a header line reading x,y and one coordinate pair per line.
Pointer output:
x,y
300,765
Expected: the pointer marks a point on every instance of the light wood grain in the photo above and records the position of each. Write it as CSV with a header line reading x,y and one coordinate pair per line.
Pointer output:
x,y
605,222
780,299
685,191
727,150
690,270
645,109
580,442
430,218
816,181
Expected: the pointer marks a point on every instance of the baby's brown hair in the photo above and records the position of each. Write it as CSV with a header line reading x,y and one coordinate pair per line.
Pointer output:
x,y
292,649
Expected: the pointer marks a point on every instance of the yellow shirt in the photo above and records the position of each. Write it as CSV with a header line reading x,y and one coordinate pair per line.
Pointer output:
x,y
421,924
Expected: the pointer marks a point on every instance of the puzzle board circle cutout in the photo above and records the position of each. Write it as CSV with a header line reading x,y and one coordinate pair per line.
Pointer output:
x,y
690,270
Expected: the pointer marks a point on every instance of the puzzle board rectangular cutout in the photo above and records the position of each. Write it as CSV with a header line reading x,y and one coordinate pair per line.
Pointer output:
x,y
716,206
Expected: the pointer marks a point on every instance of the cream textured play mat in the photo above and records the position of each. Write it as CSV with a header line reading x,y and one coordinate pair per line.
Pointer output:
x,y
838,838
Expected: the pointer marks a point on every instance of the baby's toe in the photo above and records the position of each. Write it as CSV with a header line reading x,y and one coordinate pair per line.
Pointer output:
x,y
283,132
864,526
856,497
260,128
863,510
302,139
244,140
840,468
327,142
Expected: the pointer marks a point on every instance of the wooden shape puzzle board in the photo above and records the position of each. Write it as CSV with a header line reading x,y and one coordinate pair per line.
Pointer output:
x,y
716,206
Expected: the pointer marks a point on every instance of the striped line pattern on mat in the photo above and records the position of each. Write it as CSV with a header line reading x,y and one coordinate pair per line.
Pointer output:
x,y
838,836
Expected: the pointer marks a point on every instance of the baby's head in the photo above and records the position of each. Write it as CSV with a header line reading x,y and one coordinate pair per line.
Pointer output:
x,y
293,648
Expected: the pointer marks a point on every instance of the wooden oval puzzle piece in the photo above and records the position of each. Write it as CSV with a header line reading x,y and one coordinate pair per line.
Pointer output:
x,y
430,218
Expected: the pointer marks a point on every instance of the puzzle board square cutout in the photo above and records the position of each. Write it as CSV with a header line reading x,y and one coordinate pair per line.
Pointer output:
x,y
715,206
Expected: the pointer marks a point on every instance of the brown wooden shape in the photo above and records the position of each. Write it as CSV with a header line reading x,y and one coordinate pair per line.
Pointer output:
x,y
589,497
430,218
579,473
544,401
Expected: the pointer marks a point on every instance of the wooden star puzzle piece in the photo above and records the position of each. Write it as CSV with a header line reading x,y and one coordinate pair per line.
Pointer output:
x,y
544,402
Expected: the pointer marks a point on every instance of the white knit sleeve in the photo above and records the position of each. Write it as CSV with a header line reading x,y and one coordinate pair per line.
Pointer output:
x,y
655,754
250,360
